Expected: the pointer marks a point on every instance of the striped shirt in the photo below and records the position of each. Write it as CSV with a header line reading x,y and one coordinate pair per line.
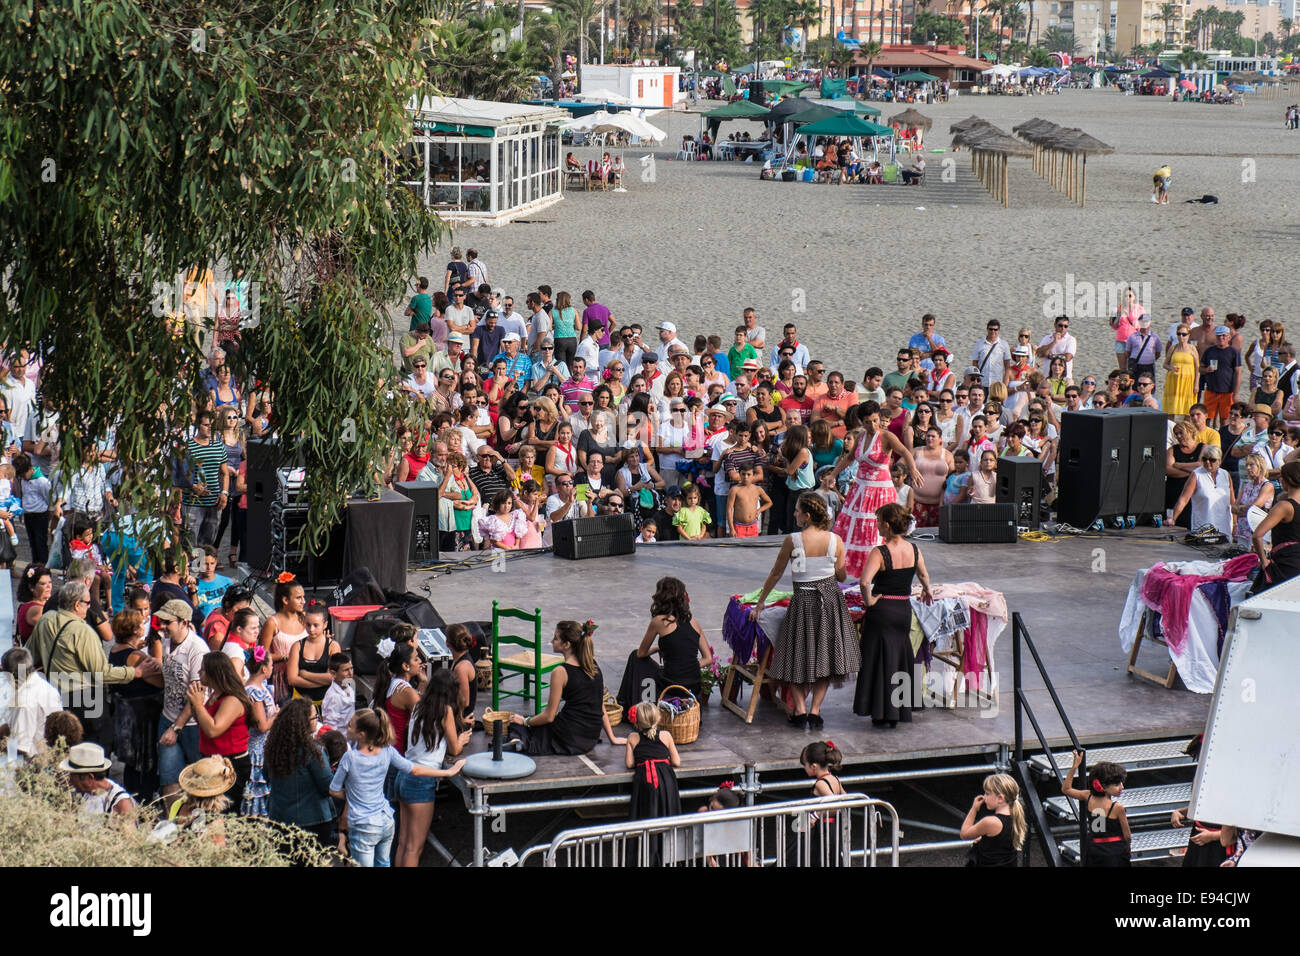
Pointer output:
x,y
205,469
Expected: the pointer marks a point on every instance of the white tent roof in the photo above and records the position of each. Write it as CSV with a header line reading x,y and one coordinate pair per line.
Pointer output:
x,y
1001,69
602,95
446,109
624,121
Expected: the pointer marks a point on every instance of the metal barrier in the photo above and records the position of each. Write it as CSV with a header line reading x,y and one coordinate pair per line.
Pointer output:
x,y
837,830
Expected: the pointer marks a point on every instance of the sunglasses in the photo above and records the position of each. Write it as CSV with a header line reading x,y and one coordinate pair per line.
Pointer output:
x,y
1024,335
1089,381
1277,434
1063,325
564,484
586,404
421,364
1035,421
945,401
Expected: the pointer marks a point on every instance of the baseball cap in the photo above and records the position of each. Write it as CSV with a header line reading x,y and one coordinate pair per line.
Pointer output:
x,y
174,610
1188,310
667,327
1144,322
972,370
674,491
510,337
1222,330
727,397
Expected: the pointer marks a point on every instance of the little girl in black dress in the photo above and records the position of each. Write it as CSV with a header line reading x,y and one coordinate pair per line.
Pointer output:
x,y
996,822
651,756
1109,838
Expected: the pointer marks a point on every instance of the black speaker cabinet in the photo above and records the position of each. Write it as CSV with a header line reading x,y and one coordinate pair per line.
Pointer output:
x,y
978,524
264,458
1020,483
1093,466
601,536
424,521
1146,462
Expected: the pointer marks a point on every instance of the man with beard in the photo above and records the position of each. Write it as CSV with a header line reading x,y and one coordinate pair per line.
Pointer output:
x,y
798,406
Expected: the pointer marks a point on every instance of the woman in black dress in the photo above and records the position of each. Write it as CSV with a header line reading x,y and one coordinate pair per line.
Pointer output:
x,y
577,683
887,622
1282,561
1180,461
996,822
682,646
1204,848
1109,838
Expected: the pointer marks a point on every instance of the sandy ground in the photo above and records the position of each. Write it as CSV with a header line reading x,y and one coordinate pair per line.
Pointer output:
x,y
856,266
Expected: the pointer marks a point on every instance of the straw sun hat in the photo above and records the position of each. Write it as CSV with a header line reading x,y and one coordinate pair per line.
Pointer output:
x,y
208,777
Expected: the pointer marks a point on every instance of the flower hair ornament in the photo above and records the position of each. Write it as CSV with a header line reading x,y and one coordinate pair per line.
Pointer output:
x,y
385,647
631,714
727,785
1097,787
589,628
831,744
257,655
285,577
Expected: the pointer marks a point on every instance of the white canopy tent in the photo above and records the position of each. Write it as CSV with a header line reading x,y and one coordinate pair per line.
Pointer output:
x,y
602,95
603,122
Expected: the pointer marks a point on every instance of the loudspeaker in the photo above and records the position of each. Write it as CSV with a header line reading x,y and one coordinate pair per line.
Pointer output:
x,y
264,458
359,587
313,568
424,522
1093,466
601,536
1020,483
978,524
1146,463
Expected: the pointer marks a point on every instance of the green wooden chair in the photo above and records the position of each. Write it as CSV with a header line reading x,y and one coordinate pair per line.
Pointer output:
x,y
529,663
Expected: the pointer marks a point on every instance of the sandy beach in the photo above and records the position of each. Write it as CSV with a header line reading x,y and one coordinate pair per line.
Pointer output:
x,y
856,266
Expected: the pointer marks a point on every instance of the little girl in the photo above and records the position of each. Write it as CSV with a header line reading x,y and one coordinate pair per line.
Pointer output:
x,y
360,777
1109,837
983,483
956,487
996,822
529,503
821,760
692,519
258,663
651,755
504,526
828,492
898,475
648,531
82,545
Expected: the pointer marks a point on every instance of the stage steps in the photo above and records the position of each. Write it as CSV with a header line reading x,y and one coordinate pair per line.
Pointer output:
x,y
1146,845
1155,755
1140,802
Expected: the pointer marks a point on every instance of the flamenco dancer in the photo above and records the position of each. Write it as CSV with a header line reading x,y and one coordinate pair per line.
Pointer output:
x,y
872,487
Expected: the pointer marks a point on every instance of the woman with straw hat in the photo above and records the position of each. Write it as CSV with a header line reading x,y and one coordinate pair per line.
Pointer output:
x,y
205,784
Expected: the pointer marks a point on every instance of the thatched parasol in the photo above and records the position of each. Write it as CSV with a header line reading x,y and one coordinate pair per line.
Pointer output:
x,y
911,117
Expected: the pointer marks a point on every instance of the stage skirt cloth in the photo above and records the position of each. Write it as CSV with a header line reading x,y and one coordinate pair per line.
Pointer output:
x,y
886,651
817,640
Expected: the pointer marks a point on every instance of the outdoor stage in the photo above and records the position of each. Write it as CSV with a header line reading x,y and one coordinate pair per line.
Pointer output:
x,y
1069,592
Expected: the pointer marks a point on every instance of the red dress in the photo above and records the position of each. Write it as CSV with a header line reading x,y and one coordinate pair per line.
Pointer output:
x,y
872,489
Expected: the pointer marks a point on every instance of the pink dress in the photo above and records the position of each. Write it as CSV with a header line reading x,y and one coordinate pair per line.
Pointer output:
x,y
872,489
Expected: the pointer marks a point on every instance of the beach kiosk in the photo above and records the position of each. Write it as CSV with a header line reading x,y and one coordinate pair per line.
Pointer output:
x,y
477,161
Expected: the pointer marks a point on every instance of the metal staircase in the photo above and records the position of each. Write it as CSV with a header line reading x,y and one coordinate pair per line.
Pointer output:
x,y
1054,820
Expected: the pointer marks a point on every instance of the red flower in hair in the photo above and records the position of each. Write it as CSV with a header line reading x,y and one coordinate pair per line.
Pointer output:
x,y
285,577
831,744
726,785
1097,787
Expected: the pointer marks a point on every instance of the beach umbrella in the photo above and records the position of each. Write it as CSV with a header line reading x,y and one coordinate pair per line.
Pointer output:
x,y
916,76
1187,84
602,96
911,117
788,107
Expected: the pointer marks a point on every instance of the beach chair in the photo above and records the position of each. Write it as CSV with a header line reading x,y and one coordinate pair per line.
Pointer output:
x,y
890,174
687,152
529,663
595,179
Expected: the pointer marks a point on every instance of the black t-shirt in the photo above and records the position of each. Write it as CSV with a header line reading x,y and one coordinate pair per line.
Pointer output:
x,y
489,342
667,531
1226,442
588,444
489,483
459,275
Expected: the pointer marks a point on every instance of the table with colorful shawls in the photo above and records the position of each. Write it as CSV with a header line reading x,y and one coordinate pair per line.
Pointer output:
x,y
953,637
1189,602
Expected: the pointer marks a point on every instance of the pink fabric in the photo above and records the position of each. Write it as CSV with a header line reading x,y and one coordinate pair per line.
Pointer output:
x,y
977,648
1170,593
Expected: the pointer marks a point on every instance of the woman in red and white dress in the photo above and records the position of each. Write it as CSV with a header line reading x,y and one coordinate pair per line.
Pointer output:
x,y
872,486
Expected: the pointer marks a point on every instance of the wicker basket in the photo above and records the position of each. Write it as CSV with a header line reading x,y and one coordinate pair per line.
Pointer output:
x,y
483,674
613,709
491,716
685,727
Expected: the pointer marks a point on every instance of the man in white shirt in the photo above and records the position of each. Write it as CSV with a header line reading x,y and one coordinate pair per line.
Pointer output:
x,y
26,699
512,321
459,316
477,271
744,388
755,334
539,323
20,394
562,506
790,339
1061,343
991,355
589,347
667,338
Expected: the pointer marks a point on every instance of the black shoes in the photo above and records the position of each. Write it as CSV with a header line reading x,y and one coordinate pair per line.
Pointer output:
x,y
799,721
815,722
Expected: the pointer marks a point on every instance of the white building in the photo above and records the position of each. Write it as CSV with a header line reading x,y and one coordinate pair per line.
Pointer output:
x,y
648,87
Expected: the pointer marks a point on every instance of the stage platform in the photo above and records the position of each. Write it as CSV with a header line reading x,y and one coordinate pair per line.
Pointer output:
x,y
1070,593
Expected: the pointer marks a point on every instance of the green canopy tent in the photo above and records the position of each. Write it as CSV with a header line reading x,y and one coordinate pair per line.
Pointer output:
x,y
859,108
741,109
811,113
783,87
916,76
843,124
834,89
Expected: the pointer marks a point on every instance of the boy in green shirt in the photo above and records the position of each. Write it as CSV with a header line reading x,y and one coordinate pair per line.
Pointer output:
x,y
421,307
742,350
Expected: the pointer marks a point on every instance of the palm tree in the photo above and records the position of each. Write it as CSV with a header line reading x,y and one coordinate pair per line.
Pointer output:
x,y
1030,28
1169,12
804,13
1286,24
869,51
1058,40
1191,59
1013,17
555,32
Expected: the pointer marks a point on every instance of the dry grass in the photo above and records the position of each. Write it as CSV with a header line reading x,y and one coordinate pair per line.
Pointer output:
x,y
41,824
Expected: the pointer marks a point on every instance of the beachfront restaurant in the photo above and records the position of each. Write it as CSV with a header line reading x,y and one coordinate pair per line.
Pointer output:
x,y
477,161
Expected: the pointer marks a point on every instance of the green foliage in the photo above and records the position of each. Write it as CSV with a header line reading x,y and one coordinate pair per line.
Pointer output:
x,y
942,29
142,139
1037,56
476,57
1058,40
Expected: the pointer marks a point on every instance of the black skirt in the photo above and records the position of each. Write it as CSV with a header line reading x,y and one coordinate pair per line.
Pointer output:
x,y
886,653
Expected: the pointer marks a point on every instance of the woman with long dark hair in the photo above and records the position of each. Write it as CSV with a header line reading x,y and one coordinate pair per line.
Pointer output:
x,y
298,773
34,590
1282,562
223,717
579,685
393,693
283,629
681,645
796,451
435,731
